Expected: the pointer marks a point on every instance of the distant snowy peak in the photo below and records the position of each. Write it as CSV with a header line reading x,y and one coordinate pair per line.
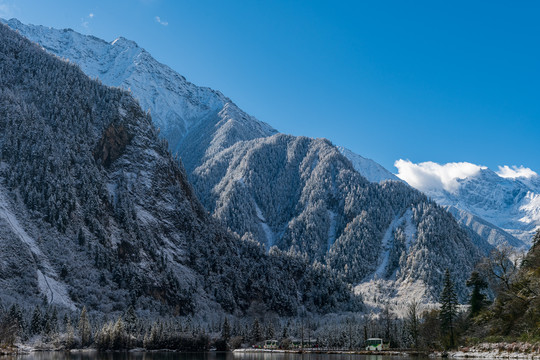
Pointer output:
x,y
367,167
509,198
176,105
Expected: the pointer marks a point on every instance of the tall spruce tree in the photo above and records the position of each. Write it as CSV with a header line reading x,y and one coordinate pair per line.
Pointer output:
x,y
256,335
226,330
36,325
478,298
448,311
85,331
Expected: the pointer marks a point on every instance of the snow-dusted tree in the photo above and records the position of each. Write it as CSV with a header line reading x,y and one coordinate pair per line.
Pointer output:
x,y
448,309
478,298
85,330
36,324
256,332
412,323
226,329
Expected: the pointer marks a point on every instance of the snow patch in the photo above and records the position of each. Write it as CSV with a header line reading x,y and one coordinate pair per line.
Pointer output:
x,y
122,111
332,228
386,246
388,241
56,292
270,237
16,227
368,168
145,217
379,293
410,229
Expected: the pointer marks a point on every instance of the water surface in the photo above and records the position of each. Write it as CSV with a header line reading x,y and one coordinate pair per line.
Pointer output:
x,y
193,356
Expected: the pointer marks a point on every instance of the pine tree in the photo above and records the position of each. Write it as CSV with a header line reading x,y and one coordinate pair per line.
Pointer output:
x,y
448,311
477,300
36,324
46,324
270,332
70,334
54,320
412,323
130,319
226,330
118,335
16,317
85,331
285,333
256,331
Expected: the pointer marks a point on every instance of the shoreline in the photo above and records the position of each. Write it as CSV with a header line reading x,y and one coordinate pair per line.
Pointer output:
x,y
503,350
481,351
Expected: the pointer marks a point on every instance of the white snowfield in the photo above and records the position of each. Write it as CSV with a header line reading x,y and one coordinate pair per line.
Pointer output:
x,y
388,242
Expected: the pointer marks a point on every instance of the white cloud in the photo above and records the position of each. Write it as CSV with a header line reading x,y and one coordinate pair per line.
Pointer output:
x,y
86,21
432,176
515,172
162,22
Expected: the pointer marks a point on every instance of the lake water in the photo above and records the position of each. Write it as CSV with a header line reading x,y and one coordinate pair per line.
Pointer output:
x,y
193,356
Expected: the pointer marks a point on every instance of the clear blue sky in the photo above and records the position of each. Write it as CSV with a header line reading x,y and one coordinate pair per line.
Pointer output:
x,y
421,80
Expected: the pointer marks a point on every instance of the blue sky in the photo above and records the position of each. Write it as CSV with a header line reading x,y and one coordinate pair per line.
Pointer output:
x,y
440,81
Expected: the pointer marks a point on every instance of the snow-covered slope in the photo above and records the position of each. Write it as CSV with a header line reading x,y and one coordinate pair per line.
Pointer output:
x,y
304,196
509,198
94,210
177,106
299,194
368,168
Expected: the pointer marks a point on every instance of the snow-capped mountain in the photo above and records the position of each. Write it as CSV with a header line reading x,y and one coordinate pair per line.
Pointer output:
x,y
94,211
509,198
301,195
177,106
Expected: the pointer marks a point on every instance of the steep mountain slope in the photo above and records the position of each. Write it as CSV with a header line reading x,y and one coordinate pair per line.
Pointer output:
x,y
509,200
302,195
179,109
95,211
299,194
474,225
491,233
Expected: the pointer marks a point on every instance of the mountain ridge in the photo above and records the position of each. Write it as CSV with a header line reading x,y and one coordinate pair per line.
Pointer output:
x,y
96,212
511,203
303,196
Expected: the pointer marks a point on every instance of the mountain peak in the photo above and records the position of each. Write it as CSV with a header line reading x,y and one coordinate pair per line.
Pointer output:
x,y
122,41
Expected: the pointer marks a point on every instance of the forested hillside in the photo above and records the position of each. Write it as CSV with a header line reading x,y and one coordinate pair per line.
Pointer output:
x,y
299,194
95,211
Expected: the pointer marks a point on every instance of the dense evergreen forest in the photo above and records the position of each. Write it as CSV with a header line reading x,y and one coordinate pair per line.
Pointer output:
x,y
513,315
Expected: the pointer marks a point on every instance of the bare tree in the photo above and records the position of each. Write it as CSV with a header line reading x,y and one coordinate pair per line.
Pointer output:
x,y
411,323
500,268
